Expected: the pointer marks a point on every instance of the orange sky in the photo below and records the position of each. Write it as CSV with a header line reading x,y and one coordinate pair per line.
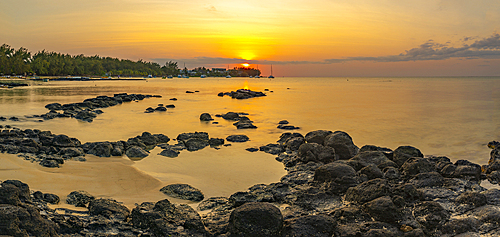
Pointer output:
x,y
300,38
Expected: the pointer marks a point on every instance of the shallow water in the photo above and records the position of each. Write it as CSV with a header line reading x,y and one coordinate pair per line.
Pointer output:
x,y
454,117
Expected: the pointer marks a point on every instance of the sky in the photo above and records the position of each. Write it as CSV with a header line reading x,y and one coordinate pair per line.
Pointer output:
x,y
296,37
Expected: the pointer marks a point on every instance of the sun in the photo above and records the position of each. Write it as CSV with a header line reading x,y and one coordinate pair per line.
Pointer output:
x,y
245,65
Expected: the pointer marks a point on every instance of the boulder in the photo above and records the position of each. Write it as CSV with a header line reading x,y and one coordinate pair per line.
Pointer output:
x,y
342,143
403,153
136,152
333,171
206,117
79,198
310,225
256,219
368,191
169,153
413,166
231,116
430,214
383,209
71,152
108,208
316,153
183,191
194,144
317,136
24,221
65,141
216,141
237,138
101,149
186,136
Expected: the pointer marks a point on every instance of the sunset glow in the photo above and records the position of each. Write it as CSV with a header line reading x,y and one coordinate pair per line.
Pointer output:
x,y
328,38
245,65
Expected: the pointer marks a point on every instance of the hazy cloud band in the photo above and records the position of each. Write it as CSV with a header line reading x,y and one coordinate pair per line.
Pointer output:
x,y
487,48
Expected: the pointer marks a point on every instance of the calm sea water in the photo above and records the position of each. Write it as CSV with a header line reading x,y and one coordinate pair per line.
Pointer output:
x,y
454,117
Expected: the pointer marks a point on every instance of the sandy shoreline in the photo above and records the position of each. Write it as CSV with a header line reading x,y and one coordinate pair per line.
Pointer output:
x,y
102,177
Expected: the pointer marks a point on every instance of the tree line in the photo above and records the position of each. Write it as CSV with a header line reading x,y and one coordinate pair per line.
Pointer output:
x,y
43,63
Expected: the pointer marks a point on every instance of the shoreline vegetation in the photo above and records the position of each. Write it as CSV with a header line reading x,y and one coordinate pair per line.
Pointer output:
x,y
332,188
22,62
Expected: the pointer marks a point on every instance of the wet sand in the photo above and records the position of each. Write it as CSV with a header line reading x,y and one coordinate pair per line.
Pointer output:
x,y
101,177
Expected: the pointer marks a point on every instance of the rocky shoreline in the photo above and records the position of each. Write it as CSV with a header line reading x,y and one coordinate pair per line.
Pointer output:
x,y
332,188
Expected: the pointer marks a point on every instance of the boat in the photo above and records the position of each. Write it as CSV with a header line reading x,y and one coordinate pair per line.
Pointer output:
x,y
271,76
203,76
257,76
228,76
170,76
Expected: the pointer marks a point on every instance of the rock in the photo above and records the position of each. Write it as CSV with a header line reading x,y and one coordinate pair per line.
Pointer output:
x,y
287,127
283,122
430,214
136,152
171,106
169,153
194,144
256,219
368,191
212,202
415,165
165,219
79,198
24,221
186,136
367,158
101,149
108,208
333,171
252,149
342,143
383,209
428,179
149,110
85,115
71,152
231,116
161,109
206,117
471,198
237,138
316,153
216,141
293,144
51,198
65,141
53,106
372,172
317,136
50,163
183,191
403,153
456,227
273,149
244,125
311,225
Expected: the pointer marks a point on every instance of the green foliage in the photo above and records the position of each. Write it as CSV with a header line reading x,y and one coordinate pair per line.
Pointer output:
x,y
45,63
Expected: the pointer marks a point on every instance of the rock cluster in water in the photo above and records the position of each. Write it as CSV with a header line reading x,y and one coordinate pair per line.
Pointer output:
x,y
242,94
332,188
51,150
89,108
243,122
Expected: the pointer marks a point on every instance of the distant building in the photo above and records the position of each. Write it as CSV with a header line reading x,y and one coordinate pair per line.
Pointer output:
x,y
218,69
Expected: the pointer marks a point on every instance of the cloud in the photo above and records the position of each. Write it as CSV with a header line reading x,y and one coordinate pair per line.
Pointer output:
x,y
486,48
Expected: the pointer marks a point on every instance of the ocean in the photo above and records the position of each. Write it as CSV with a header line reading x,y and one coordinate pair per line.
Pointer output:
x,y
447,116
